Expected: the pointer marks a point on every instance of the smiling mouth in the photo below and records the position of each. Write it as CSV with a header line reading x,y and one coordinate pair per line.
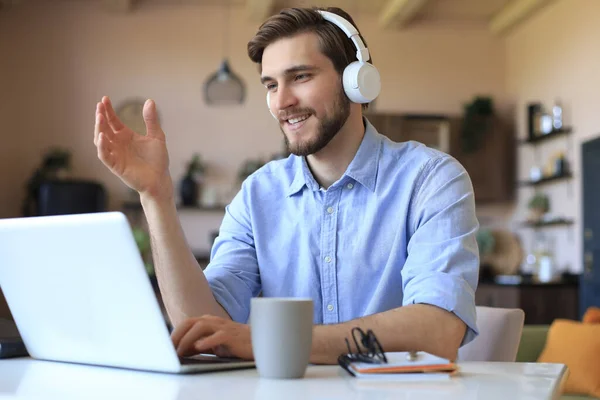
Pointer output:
x,y
296,122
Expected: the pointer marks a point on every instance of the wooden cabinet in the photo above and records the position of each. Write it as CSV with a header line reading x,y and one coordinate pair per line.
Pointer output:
x,y
431,130
491,166
541,303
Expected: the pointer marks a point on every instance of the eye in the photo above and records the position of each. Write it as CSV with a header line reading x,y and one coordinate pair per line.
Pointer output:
x,y
271,86
301,77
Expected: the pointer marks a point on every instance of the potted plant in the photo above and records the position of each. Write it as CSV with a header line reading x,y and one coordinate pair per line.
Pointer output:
x,y
476,122
191,182
538,205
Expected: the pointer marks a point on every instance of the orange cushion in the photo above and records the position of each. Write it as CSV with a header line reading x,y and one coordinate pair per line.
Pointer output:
x,y
592,316
578,346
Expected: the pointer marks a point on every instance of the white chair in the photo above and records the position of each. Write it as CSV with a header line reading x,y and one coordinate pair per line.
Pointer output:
x,y
500,332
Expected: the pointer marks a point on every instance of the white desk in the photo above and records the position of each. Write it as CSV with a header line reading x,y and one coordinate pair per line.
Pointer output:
x,y
25,378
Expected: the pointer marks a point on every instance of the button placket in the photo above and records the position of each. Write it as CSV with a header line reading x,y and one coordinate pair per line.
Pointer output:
x,y
328,251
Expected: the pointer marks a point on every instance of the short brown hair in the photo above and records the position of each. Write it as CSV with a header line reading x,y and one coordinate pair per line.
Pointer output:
x,y
289,22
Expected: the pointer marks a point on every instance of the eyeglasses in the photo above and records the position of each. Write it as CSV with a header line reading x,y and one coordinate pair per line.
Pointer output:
x,y
368,351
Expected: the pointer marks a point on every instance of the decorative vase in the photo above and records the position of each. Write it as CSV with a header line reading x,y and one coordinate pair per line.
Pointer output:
x,y
189,192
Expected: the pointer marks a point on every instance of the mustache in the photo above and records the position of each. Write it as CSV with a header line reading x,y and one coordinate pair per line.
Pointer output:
x,y
285,115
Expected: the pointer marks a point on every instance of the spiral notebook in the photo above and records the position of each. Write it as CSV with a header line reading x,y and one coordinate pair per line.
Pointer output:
x,y
400,366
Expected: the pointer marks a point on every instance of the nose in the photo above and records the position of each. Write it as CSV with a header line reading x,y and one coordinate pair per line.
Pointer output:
x,y
282,99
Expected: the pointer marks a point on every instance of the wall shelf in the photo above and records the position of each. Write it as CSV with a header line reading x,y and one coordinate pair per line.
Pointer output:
x,y
548,136
554,222
566,175
218,207
136,206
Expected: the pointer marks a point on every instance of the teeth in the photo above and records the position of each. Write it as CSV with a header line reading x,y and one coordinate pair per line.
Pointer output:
x,y
298,119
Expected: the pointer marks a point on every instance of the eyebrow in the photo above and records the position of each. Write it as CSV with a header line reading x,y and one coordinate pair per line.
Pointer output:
x,y
290,71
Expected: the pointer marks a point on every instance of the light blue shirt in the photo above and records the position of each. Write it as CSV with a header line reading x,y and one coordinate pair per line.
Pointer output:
x,y
397,228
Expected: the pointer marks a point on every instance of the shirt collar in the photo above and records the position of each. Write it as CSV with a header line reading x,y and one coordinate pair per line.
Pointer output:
x,y
302,178
365,164
362,169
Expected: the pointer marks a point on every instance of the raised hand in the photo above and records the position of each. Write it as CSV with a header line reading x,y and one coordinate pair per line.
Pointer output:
x,y
141,162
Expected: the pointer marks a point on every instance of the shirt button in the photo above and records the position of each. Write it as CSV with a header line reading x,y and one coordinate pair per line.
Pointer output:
x,y
330,210
327,259
330,307
349,186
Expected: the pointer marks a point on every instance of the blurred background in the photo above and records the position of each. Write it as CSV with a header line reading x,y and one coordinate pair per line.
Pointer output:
x,y
508,87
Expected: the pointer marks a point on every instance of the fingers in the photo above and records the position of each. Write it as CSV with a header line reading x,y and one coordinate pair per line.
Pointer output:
x,y
114,121
102,124
209,342
189,332
97,125
153,128
104,150
200,330
104,127
181,330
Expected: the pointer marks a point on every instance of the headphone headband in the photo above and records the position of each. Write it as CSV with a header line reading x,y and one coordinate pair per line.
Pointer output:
x,y
362,53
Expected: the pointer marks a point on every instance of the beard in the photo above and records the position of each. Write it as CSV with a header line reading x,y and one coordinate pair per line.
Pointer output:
x,y
328,127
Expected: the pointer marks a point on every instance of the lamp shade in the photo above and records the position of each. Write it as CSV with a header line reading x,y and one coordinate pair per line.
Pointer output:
x,y
224,87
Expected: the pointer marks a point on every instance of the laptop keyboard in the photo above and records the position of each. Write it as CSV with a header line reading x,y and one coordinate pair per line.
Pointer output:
x,y
206,359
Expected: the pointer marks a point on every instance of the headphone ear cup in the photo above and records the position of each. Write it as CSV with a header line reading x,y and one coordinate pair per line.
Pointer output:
x,y
362,82
269,105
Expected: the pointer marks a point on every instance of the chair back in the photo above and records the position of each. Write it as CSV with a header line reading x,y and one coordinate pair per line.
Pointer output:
x,y
499,336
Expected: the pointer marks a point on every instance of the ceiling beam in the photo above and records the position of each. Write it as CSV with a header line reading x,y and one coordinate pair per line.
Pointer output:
x,y
399,13
118,6
259,10
514,13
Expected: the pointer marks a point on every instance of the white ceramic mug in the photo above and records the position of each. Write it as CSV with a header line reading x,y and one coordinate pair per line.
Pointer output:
x,y
281,335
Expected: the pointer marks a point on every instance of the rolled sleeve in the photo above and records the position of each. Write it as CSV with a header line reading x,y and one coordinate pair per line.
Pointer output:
x,y
233,273
449,293
442,267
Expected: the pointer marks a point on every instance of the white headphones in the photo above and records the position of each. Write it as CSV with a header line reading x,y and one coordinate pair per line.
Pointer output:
x,y
361,80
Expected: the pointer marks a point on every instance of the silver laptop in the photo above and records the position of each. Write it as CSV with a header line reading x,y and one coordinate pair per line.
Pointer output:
x,y
78,291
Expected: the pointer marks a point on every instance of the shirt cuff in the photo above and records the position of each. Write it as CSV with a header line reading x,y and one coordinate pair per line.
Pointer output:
x,y
450,293
222,293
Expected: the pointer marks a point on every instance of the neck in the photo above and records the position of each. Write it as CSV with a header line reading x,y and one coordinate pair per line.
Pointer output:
x,y
330,163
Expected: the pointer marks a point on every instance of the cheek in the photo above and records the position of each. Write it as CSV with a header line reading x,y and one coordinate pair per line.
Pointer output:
x,y
323,88
323,102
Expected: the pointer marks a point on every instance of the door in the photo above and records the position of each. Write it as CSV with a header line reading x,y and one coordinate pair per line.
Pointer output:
x,y
589,283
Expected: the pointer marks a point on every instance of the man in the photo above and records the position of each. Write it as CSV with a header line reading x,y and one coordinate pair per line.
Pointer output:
x,y
380,235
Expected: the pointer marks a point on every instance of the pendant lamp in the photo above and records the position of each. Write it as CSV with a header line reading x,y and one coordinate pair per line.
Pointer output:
x,y
224,87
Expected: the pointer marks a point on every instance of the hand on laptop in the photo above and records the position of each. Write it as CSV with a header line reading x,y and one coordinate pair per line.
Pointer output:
x,y
141,161
210,334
